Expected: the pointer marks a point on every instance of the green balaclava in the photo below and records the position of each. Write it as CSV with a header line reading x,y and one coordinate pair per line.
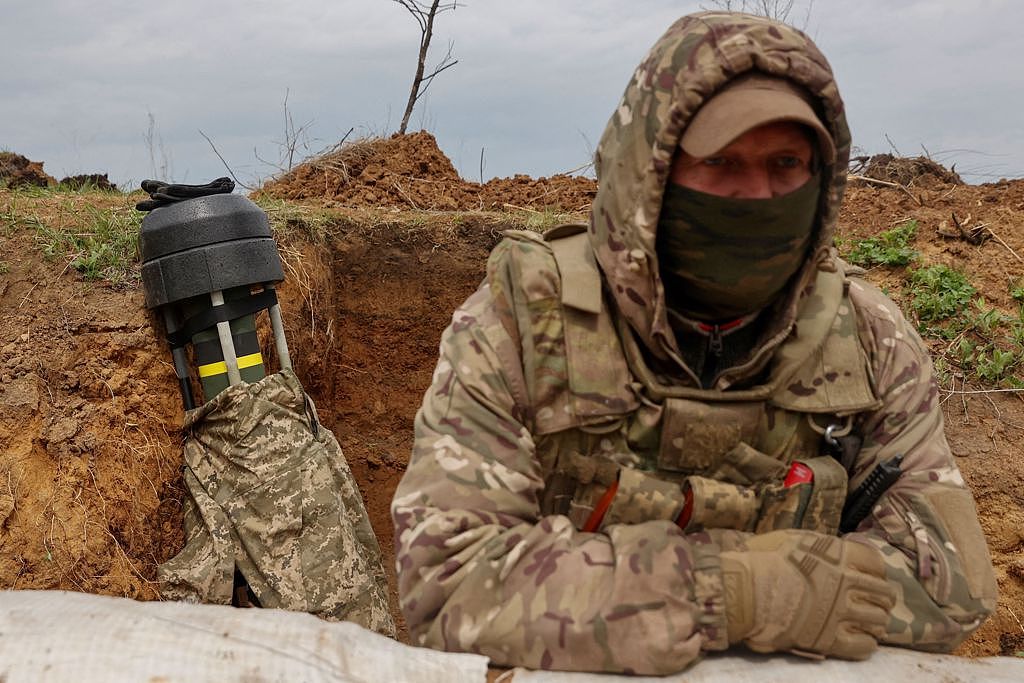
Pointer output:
x,y
721,257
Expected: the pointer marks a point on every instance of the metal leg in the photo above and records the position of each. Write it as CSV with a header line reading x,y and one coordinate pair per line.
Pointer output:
x,y
227,345
180,363
277,324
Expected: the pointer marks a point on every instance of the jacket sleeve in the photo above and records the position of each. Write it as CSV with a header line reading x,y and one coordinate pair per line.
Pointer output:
x,y
926,524
479,570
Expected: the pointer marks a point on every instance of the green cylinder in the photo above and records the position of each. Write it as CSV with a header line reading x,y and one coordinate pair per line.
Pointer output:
x,y
209,357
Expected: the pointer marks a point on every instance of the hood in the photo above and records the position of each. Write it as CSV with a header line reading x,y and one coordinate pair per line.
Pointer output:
x,y
696,56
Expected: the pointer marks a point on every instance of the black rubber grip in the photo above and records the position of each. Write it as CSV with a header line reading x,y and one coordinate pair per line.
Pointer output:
x,y
860,502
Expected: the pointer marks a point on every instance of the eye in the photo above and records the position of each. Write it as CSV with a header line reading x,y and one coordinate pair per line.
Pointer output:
x,y
789,161
713,161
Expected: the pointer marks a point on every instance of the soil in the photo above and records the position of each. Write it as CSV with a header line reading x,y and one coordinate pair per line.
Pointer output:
x,y
86,181
17,171
411,172
90,487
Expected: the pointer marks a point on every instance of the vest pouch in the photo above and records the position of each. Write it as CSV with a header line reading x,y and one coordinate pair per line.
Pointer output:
x,y
720,505
783,507
575,485
642,498
815,506
825,506
695,436
747,466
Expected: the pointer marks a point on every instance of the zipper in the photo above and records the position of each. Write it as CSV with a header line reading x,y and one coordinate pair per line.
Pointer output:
x,y
714,333
715,340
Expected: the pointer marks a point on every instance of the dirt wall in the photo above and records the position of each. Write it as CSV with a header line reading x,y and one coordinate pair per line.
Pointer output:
x,y
90,490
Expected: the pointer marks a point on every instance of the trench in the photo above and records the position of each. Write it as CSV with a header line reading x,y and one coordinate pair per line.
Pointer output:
x,y
364,315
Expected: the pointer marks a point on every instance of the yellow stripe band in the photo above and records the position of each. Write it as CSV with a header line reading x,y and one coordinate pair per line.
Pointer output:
x,y
221,368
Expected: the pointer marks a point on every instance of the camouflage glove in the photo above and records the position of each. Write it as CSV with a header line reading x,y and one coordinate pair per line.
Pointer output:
x,y
807,593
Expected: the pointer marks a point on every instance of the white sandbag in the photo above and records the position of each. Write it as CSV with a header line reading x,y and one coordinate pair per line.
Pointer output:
x,y
888,664
62,636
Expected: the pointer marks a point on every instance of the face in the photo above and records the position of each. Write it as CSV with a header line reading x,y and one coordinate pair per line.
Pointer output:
x,y
765,162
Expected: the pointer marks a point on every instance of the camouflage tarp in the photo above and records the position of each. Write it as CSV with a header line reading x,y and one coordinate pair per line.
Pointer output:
x,y
270,492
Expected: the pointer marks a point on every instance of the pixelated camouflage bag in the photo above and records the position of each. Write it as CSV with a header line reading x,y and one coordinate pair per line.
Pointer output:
x,y
270,493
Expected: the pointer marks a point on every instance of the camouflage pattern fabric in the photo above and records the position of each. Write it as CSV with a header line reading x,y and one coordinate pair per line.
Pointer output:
x,y
487,561
270,492
815,506
721,505
641,498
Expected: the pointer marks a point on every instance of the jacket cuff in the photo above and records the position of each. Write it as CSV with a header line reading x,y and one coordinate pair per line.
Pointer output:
x,y
641,498
709,596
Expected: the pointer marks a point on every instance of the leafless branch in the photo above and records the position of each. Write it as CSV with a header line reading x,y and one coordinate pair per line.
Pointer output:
x,y
779,10
424,14
1000,240
293,139
232,173
445,63
876,181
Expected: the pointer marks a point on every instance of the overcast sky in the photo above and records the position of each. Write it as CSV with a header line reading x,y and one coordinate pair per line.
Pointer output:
x,y
534,86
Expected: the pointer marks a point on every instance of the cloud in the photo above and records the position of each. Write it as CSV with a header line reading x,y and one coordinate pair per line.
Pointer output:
x,y
535,83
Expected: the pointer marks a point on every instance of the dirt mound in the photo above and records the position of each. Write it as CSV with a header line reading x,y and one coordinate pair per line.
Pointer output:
x,y
411,172
568,193
89,181
16,170
906,171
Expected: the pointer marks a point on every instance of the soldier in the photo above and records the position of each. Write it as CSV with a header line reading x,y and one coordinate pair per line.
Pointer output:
x,y
648,438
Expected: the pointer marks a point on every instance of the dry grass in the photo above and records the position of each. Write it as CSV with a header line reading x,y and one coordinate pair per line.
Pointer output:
x,y
346,156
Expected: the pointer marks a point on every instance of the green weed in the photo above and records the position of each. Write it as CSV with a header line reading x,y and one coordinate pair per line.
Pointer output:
x,y
994,364
110,249
987,345
1017,330
888,248
939,292
5,267
103,245
986,320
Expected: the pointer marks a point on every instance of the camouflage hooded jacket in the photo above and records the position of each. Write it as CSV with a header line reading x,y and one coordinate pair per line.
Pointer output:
x,y
484,566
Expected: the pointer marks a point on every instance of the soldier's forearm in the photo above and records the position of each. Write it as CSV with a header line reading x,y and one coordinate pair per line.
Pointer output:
x,y
638,598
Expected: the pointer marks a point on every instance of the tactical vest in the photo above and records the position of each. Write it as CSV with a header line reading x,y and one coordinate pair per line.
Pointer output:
x,y
600,415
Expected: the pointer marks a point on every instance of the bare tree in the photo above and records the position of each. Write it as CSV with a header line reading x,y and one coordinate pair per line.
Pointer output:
x,y
779,10
424,15
294,138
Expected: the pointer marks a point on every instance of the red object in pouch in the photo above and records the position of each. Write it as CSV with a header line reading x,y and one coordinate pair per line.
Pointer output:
x,y
684,517
593,522
799,473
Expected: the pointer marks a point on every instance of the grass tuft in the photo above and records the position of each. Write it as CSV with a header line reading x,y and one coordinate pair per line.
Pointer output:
x,y
97,237
939,292
888,248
